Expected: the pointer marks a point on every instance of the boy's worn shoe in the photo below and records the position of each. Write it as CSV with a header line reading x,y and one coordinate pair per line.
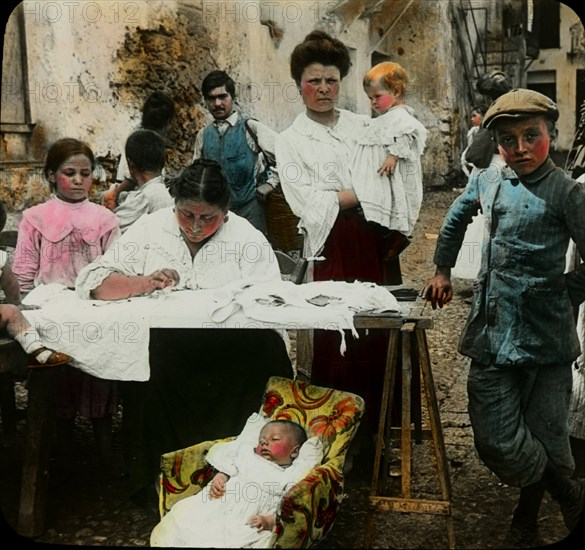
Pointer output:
x,y
571,503
523,533
56,358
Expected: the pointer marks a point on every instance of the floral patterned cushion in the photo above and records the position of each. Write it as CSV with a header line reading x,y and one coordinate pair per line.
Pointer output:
x,y
309,509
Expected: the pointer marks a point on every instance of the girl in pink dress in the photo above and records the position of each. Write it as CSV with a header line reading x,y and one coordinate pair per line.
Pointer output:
x,y
55,240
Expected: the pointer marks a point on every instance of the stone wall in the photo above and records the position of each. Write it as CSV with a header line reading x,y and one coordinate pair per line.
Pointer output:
x,y
91,65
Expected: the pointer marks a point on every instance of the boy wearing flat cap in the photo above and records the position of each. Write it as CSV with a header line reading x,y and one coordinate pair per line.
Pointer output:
x,y
520,334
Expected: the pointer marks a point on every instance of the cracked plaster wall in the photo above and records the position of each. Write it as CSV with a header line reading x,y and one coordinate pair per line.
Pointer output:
x,y
92,64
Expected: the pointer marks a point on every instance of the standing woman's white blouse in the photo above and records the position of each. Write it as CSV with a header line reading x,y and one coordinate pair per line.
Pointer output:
x,y
313,163
236,251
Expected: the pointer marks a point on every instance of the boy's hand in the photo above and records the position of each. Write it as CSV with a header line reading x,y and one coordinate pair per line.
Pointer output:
x,y
439,290
262,522
388,166
218,485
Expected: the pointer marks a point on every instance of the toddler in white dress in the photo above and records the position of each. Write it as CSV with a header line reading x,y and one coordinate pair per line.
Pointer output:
x,y
238,507
386,170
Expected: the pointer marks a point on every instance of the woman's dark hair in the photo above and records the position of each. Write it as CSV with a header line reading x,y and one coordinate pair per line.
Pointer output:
x,y
217,79
157,112
202,181
319,47
62,150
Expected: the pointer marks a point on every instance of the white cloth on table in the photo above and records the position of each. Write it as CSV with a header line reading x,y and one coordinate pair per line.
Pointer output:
x,y
323,304
256,486
110,339
309,186
392,201
107,339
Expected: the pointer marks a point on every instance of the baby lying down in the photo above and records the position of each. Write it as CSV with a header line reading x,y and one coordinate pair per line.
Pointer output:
x,y
238,507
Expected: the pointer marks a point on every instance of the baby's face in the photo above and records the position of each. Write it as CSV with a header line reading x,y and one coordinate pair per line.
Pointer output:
x,y
381,99
276,445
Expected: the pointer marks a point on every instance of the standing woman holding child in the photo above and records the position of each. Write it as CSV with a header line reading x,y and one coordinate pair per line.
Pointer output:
x,y
314,156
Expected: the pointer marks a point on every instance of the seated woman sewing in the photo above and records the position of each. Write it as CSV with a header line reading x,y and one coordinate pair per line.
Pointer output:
x,y
202,382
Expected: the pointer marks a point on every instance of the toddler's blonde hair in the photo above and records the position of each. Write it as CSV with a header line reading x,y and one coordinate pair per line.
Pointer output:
x,y
390,75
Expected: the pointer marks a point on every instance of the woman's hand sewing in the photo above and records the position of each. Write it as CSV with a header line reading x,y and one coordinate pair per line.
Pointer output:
x,y
119,287
161,278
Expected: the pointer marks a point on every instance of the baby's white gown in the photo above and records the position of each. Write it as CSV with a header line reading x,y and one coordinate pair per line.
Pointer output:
x,y
256,486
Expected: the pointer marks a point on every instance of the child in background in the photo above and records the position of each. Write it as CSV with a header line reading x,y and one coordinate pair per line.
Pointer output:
x,y
56,240
387,174
145,151
15,323
476,116
238,507
157,114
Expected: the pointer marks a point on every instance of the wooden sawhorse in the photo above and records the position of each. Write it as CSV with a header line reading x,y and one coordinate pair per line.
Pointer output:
x,y
415,364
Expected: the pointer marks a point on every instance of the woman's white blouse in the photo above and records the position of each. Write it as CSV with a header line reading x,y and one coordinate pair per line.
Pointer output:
x,y
236,251
313,163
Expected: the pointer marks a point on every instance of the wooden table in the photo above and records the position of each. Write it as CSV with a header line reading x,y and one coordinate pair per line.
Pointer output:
x,y
39,423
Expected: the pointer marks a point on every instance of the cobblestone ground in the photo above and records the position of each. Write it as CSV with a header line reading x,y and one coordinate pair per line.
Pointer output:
x,y
86,507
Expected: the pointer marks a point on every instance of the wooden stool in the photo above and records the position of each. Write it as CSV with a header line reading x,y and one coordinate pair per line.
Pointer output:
x,y
415,364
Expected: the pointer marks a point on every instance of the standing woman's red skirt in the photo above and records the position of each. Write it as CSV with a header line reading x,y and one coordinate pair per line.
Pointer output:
x,y
354,250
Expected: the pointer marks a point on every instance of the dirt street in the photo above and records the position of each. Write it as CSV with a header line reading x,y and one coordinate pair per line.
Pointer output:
x,y
88,508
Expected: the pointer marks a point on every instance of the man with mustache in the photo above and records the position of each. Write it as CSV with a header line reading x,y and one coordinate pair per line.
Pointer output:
x,y
229,141
520,334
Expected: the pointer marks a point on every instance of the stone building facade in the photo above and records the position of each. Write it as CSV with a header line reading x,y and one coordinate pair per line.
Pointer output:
x,y
83,68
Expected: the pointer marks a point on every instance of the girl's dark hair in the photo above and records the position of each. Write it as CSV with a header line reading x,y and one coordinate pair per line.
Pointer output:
x,y
62,150
157,112
202,181
319,47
